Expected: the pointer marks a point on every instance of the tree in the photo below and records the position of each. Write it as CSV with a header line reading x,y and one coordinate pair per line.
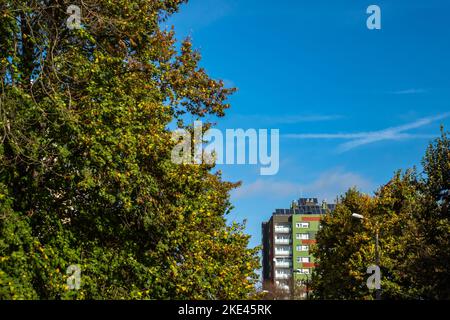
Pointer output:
x,y
396,204
346,246
431,262
86,176
411,215
341,251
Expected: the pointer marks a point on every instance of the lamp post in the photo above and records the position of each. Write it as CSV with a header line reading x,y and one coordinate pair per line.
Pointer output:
x,y
377,249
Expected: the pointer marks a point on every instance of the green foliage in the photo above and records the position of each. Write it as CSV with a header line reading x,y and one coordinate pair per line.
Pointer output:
x,y
432,260
343,249
85,170
412,220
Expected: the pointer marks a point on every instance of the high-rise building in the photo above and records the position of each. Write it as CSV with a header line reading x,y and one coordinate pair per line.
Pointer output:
x,y
286,239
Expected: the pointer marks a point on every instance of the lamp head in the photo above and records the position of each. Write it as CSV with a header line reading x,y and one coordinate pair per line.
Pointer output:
x,y
357,216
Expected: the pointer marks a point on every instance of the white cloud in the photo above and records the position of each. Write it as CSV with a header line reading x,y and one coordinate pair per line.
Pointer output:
x,y
268,187
289,119
331,184
410,91
364,138
327,186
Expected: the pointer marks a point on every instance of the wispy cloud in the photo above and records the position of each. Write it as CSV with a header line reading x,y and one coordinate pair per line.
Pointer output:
x,y
289,119
326,186
364,138
269,187
410,91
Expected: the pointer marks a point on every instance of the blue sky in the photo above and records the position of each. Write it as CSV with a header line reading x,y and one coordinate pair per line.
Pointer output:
x,y
352,105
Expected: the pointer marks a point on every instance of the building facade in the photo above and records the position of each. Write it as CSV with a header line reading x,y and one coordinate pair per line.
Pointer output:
x,y
287,239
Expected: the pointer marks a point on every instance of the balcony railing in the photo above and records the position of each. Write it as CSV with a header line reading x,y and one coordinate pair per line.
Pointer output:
x,y
282,276
283,264
283,252
282,241
282,230
283,287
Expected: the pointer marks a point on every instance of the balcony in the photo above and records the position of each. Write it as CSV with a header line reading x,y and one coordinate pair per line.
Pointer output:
x,y
284,287
279,229
282,241
283,253
283,284
283,264
282,276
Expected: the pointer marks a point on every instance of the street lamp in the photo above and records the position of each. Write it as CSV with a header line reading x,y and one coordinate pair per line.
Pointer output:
x,y
377,250
357,216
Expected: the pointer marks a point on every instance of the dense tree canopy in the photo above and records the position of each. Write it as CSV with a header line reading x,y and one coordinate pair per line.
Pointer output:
x,y
86,176
411,215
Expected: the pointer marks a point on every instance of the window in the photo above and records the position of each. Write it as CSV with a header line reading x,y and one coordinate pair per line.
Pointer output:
x,y
302,236
302,248
303,259
302,225
303,271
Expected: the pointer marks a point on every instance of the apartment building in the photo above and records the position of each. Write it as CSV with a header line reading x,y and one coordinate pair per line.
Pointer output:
x,y
287,238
